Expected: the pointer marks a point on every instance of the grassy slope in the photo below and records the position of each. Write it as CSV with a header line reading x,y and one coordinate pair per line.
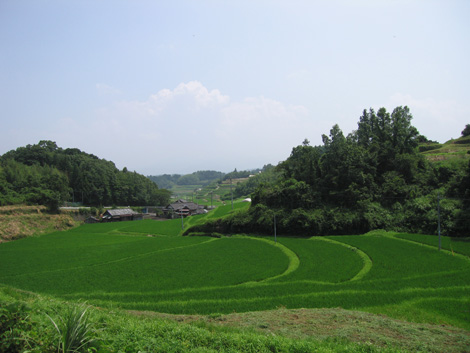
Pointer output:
x,y
22,221
453,151
337,325
118,331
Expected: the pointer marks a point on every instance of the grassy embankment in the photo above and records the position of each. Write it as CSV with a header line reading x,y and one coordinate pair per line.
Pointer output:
x,y
452,151
114,330
19,221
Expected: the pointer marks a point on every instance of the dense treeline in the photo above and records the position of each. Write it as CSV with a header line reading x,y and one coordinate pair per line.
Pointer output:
x,y
268,174
240,174
202,177
373,178
47,174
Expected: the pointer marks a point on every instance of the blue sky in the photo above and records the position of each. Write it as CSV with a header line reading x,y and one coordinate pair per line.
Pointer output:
x,y
179,86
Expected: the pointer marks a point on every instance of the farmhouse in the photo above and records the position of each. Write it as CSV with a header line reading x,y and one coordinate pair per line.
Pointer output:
x,y
121,214
183,208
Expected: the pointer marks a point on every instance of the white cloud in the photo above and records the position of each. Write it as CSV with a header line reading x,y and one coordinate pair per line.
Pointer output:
x,y
192,128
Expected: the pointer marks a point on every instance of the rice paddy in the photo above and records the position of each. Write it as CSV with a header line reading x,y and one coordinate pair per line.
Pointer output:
x,y
146,265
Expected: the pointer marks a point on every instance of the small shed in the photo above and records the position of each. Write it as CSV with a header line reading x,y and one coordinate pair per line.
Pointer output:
x,y
121,214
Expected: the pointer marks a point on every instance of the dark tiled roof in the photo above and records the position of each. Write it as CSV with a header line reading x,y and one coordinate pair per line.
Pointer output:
x,y
180,204
121,212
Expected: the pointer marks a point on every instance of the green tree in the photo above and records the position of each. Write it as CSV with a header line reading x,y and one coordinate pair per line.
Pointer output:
x,y
404,135
466,131
45,173
188,179
302,164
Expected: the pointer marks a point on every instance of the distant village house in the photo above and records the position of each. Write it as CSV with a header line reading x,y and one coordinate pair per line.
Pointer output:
x,y
121,214
183,208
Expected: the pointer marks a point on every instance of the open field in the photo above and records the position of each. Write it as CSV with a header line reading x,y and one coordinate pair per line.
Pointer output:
x,y
119,264
317,288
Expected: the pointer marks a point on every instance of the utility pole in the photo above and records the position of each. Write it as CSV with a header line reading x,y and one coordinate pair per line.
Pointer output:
x,y
231,191
275,235
182,222
439,219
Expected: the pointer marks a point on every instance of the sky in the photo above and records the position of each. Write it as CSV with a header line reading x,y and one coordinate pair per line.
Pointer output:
x,y
172,87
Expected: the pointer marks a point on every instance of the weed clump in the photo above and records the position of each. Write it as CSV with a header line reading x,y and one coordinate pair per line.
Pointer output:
x,y
74,329
14,325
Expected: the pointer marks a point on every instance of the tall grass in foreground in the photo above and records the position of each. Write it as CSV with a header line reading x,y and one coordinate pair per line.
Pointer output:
x,y
74,329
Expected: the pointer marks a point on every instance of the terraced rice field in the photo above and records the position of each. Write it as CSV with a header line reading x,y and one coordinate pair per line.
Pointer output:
x,y
145,265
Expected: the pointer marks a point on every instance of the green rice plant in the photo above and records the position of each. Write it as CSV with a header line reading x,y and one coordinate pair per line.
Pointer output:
x,y
74,330
123,267
319,260
170,227
226,209
71,250
393,258
454,245
196,262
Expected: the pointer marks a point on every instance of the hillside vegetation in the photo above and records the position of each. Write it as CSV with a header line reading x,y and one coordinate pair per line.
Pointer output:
x,y
19,221
373,178
455,150
212,188
46,174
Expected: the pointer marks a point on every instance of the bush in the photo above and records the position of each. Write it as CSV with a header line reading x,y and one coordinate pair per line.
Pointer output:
x,y
377,217
14,323
429,147
84,211
465,140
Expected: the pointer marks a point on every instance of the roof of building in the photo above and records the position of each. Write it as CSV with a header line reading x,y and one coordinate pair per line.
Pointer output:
x,y
181,204
121,212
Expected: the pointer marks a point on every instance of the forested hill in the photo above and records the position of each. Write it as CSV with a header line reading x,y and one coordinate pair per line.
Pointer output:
x,y
375,177
49,175
202,177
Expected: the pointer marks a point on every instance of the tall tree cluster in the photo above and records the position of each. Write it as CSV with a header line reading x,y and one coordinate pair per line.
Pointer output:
x,y
47,174
378,162
372,178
